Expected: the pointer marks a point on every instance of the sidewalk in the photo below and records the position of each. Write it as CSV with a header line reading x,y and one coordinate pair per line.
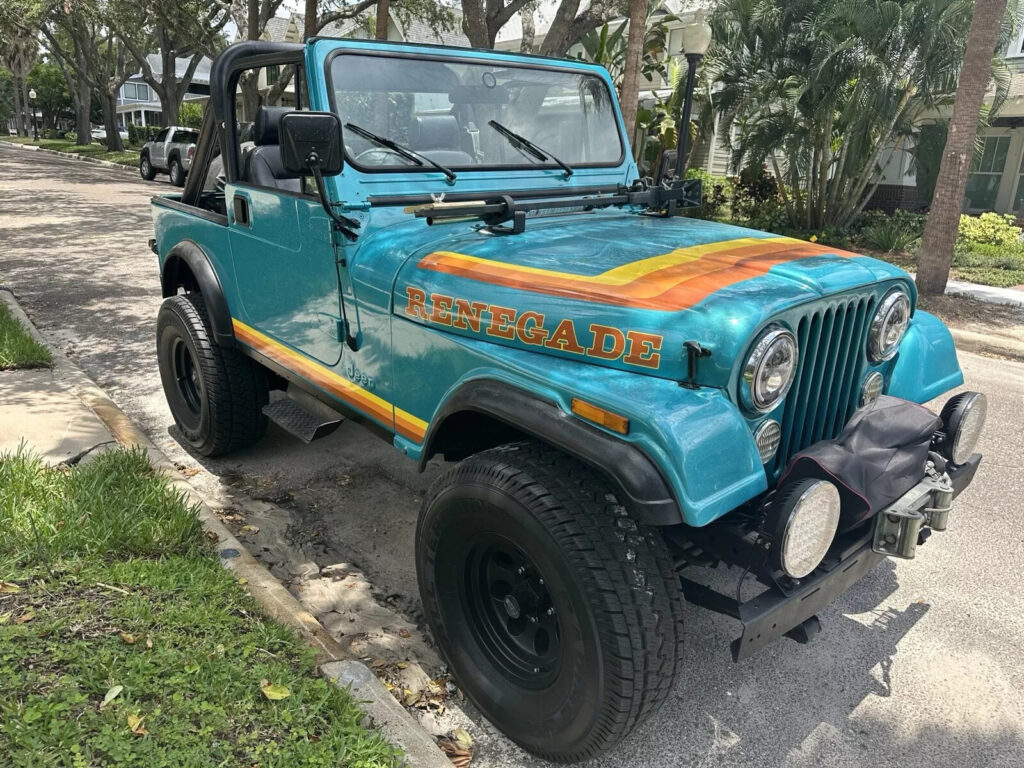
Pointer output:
x,y
986,293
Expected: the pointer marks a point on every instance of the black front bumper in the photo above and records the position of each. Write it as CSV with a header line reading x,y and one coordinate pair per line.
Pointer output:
x,y
776,612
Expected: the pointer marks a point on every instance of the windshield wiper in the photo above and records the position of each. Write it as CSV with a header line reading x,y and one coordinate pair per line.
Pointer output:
x,y
409,154
523,144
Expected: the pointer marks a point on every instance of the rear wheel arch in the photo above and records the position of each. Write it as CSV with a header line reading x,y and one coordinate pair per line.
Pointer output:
x,y
188,269
486,413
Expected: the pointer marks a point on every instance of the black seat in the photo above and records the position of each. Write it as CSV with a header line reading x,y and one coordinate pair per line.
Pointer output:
x,y
438,137
262,164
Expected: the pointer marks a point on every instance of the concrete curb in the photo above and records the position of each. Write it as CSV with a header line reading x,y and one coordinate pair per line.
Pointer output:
x,y
987,344
71,156
335,663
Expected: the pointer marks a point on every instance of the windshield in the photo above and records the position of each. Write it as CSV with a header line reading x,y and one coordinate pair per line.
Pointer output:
x,y
444,110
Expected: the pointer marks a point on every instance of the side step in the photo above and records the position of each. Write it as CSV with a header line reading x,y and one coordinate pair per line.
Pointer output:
x,y
294,418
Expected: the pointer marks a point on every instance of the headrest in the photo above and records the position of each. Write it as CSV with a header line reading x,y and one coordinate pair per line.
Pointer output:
x,y
268,120
434,132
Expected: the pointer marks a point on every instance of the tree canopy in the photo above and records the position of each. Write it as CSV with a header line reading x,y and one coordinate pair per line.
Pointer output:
x,y
826,90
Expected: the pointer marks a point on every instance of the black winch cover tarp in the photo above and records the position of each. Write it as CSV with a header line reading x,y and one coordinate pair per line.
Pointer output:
x,y
878,457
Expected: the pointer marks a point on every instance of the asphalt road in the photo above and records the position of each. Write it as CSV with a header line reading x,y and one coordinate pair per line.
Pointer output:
x,y
921,664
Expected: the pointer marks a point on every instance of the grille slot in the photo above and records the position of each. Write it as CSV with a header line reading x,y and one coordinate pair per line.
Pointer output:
x,y
824,394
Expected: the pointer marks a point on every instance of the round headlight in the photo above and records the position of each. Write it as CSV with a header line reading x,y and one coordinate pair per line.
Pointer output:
x,y
769,370
963,417
807,515
889,325
767,436
873,384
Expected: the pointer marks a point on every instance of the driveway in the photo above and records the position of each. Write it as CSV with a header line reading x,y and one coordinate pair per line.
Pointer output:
x,y
921,664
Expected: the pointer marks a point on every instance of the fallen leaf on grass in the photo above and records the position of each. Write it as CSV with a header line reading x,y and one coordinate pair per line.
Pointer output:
x,y
273,691
135,725
25,617
149,641
128,638
111,695
9,588
4,618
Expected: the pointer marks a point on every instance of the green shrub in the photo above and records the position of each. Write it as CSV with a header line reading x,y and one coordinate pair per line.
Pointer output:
x,y
896,232
1006,256
716,193
988,228
71,136
755,189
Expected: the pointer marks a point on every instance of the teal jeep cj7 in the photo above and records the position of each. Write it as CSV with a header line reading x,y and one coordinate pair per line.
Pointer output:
x,y
455,248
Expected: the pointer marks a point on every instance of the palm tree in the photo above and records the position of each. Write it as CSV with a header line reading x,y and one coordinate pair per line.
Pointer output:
x,y
944,218
629,91
825,90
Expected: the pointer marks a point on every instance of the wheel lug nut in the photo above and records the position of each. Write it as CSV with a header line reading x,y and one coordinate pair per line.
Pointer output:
x,y
536,670
532,619
551,611
522,570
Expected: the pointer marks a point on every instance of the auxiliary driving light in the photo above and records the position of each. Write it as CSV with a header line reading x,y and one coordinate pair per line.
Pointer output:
x,y
767,437
963,417
806,518
873,385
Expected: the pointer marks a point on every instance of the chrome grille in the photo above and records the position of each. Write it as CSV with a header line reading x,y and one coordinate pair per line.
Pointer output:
x,y
824,394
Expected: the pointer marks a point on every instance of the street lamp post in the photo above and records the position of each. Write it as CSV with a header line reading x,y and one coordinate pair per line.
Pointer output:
x,y
32,111
696,37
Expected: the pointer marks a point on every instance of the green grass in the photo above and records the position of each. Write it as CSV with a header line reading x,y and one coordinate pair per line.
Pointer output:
x,y
17,348
120,589
129,157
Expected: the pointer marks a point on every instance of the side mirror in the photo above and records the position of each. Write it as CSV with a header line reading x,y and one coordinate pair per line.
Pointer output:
x,y
311,142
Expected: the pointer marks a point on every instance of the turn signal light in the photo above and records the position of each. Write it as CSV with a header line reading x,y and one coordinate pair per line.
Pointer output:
x,y
598,415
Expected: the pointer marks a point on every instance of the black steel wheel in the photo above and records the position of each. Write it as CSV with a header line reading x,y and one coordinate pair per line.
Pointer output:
x,y
176,172
146,169
216,395
559,614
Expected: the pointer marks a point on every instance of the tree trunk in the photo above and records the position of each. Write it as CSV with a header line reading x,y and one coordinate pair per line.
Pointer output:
x,y
19,115
474,23
83,102
30,117
383,16
629,90
108,105
528,18
944,219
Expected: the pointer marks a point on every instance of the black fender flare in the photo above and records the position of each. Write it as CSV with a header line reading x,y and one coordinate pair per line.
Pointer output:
x,y
192,256
635,475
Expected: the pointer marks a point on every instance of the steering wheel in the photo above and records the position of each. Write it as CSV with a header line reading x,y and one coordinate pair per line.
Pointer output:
x,y
380,156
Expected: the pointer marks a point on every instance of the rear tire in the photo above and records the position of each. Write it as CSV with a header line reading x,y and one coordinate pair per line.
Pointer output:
x,y
216,395
560,615
146,169
176,172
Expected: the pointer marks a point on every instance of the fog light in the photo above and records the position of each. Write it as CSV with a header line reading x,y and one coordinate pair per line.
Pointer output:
x,y
806,518
767,437
872,388
963,417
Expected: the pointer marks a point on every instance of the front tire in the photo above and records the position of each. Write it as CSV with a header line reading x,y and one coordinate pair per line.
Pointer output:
x,y
559,614
216,395
176,172
146,169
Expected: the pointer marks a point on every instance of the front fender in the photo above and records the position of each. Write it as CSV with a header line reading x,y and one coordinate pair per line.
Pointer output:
x,y
697,440
927,365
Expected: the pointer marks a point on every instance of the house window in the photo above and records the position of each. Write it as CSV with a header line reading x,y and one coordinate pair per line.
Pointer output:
x,y
273,73
986,174
1018,196
128,89
142,91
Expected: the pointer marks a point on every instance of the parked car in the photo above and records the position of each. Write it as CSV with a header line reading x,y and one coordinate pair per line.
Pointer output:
x,y
100,134
624,398
170,152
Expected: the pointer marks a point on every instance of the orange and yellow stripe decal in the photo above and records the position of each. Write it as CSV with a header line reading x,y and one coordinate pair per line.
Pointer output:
x,y
362,400
674,280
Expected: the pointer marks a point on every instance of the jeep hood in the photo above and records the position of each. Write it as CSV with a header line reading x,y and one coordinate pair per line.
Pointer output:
x,y
620,289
